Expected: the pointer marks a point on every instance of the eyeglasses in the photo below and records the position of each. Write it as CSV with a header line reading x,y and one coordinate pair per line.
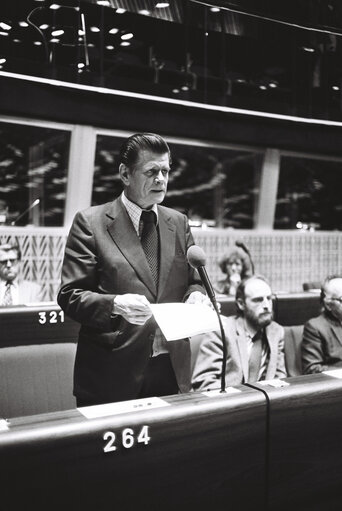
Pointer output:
x,y
335,299
5,262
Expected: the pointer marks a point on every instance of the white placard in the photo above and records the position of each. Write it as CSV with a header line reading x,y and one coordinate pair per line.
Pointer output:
x,y
274,383
335,373
135,405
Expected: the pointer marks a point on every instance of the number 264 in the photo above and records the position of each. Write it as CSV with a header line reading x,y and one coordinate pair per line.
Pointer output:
x,y
127,438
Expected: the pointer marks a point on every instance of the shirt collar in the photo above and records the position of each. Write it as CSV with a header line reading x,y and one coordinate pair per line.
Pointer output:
x,y
134,211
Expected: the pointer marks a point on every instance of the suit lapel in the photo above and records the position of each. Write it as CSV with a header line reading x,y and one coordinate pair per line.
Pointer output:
x,y
167,234
242,346
124,236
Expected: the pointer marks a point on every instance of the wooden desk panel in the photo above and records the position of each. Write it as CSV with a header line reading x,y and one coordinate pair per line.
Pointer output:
x,y
203,453
35,325
305,444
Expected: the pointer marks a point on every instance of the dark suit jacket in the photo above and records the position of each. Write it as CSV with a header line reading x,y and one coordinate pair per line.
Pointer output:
x,y
322,344
208,366
103,258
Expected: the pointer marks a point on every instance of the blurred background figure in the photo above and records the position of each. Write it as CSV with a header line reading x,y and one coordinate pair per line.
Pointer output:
x,y
13,290
3,212
237,265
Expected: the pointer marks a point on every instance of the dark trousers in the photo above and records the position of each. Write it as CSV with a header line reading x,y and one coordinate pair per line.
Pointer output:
x,y
159,380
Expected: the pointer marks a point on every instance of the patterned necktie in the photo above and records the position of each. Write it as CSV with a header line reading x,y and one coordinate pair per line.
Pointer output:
x,y
255,359
150,242
7,299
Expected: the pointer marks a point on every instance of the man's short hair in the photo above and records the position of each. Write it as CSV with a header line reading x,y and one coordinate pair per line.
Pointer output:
x,y
133,145
7,247
240,291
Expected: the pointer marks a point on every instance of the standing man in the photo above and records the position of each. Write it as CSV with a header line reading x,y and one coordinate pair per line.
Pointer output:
x,y
255,343
15,291
322,337
119,258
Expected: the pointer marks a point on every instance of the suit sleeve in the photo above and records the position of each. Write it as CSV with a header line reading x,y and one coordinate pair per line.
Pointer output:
x,y
77,295
281,369
208,364
194,280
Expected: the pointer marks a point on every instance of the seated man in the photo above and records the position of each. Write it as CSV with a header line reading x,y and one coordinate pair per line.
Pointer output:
x,y
255,343
322,337
14,291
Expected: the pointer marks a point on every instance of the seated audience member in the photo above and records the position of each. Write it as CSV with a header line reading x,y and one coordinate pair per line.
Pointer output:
x,y
237,265
322,337
255,343
14,291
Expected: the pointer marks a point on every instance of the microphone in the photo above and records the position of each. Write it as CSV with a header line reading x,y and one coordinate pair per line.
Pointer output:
x,y
241,245
197,259
33,205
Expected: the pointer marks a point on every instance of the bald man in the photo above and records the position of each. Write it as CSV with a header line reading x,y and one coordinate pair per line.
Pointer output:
x,y
322,337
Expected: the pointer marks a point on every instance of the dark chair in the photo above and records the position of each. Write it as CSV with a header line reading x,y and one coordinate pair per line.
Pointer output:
x,y
292,349
308,286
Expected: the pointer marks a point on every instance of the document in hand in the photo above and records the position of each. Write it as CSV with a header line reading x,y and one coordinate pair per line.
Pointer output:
x,y
179,320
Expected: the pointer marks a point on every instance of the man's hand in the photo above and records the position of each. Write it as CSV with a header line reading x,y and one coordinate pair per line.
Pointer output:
x,y
134,308
198,297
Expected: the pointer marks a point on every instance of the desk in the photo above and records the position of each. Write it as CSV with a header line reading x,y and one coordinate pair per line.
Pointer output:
x,y
201,453
305,444
41,324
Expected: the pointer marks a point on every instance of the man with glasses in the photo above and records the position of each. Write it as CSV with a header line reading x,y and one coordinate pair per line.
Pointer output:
x,y
322,337
255,343
14,291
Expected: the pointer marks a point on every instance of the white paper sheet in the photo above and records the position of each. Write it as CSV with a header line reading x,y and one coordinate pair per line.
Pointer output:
x,y
179,320
135,405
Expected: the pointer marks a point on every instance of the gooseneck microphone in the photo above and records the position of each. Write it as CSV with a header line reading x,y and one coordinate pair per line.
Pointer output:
x,y
196,259
34,204
241,245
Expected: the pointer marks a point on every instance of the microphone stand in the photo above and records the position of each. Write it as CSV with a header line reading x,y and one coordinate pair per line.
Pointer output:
x,y
211,294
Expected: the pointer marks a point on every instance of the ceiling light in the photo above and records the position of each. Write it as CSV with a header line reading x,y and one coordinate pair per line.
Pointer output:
x,y
57,32
120,11
44,26
54,40
37,43
214,9
4,33
103,2
5,26
262,87
127,37
23,24
91,45
273,85
15,40
80,65
81,32
308,49
94,29
162,5
110,47
144,12
54,6
125,43
175,91
185,87
335,87
2,61
113,31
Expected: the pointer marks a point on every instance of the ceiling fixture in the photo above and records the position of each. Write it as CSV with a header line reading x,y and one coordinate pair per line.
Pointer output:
x,y
120,11
5,26
94,29
23,24
56,33
113,31
127,37
162,5
54,6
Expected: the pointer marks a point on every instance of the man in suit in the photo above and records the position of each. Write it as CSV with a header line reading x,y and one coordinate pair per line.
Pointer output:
x,y
13,290
322,336
255,343
119,258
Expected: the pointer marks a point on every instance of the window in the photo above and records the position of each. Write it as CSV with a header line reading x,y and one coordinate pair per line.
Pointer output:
x,y
33,174
214,186
309,194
